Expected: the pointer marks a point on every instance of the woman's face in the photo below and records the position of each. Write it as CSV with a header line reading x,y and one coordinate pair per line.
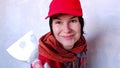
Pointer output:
x,y
66,29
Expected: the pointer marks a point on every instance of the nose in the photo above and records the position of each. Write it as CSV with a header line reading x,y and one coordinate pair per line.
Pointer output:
x,y
66,28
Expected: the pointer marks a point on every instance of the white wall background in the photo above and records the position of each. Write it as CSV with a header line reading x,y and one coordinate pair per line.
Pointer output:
x,y
102,29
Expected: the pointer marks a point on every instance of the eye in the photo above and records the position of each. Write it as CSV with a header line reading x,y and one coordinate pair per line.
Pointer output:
x,y
58,22
74,20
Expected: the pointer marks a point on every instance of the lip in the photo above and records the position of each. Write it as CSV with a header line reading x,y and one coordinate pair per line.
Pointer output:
x,y
68,37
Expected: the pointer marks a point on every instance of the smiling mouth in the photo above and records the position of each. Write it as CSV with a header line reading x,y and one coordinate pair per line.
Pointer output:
x,y
68,37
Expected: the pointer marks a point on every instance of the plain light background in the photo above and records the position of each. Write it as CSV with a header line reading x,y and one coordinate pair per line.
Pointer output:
x,y
102,29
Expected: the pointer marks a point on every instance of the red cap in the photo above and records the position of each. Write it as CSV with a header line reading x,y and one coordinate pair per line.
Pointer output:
x,y
72,7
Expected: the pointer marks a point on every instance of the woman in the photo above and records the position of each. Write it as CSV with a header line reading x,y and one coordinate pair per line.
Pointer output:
x,y
64,46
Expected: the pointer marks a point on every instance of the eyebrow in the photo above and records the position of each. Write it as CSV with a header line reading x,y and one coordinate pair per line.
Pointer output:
x,y
73,17
60,19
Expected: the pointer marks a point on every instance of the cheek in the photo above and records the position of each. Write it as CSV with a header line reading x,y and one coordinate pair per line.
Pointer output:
x,y
78,32
56,30
78,29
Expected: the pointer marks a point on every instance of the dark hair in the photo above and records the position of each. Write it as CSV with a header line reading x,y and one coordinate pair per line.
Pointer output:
x,y
81,20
